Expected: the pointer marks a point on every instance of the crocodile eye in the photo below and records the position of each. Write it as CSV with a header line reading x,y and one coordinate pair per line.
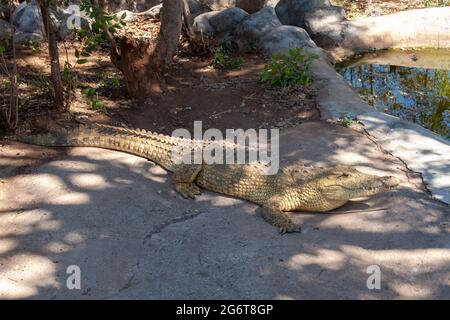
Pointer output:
x,y
345,175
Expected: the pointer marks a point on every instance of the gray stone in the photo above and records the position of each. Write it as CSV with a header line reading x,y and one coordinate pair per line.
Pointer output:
x,y
70,21
6,30
28,37
28,20
227,20
256,25
293,12
282,38
217,5
154,12
201,24
324,25
196,7
125,15
250,6
132,5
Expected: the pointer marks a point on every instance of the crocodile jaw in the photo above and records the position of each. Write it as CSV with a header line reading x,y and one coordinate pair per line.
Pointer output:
x,y
365,185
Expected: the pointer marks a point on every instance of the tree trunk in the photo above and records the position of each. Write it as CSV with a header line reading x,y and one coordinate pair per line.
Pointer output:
x,y
54,57
143,61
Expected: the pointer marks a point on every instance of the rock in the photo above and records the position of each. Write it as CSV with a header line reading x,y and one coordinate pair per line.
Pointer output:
x,y
201,24
282,38
250,6
196,7
28,37
28,20
324,25
6,30
293,12
70,20
255,25
227,20
131,5
217,5
125,15
272,3
154,12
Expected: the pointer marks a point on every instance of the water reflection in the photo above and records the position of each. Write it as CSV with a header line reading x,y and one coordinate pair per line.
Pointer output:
x,y
417,94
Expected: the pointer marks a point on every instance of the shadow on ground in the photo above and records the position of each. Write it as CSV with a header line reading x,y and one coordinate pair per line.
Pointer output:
x,y
117,217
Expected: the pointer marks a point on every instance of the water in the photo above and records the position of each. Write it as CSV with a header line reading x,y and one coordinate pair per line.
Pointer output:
x,y
412,85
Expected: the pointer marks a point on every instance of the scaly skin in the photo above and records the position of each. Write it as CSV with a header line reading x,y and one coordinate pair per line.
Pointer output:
x,y
322,191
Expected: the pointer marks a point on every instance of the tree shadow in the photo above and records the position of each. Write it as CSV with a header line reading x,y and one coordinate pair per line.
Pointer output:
x,y
118,218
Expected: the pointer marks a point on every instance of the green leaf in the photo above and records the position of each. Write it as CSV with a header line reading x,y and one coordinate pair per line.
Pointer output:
x,y
82,61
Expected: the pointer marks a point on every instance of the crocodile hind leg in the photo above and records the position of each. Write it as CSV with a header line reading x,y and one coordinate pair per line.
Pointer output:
x,y
276,217
183,179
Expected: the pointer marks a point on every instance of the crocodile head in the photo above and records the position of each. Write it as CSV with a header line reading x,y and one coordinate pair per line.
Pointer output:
x,y
332,188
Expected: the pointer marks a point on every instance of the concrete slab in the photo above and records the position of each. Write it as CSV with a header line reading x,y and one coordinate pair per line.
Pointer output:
x,y
420,149
117,217
424,151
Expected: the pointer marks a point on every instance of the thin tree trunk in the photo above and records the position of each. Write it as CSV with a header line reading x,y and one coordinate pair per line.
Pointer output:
x,y
143,62
54,57
13,116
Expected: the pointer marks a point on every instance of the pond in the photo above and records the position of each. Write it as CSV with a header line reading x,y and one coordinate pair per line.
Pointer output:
x,y
410,84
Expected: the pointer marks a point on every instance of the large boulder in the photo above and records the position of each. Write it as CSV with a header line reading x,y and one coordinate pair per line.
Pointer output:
x,y
28,37
202,26
218,23
132,5
255,25
324,25
293,12
250,6
6,30
227,20
71,20
28,20
282,38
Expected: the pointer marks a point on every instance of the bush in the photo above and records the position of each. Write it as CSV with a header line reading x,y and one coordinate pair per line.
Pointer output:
x,y
222,60
291,70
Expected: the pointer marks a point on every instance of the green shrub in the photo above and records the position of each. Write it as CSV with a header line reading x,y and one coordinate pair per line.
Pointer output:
x,y
345,120
289,70
222,60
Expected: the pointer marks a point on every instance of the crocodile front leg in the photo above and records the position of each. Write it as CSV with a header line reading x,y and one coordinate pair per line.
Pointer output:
x,y
276,217
183,179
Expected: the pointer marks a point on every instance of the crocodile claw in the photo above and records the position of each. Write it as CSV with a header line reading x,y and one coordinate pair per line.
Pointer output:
x,y
188,190
289,228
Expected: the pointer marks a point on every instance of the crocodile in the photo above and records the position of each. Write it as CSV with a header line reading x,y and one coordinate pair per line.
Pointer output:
x,y
320,191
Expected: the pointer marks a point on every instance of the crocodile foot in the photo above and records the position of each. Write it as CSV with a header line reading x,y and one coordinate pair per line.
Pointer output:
x,y
288,227
187,189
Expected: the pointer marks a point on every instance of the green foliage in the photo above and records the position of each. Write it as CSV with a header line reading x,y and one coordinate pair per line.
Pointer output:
x,y
345,120
252,46
291,70
35,48
69,77
102,27
109,78
222,60
436,3
91,96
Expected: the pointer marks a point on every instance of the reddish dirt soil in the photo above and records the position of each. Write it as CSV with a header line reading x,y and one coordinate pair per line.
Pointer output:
x,y
196,92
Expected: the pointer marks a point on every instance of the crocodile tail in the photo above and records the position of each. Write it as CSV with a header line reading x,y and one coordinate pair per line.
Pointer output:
x,y
153,146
